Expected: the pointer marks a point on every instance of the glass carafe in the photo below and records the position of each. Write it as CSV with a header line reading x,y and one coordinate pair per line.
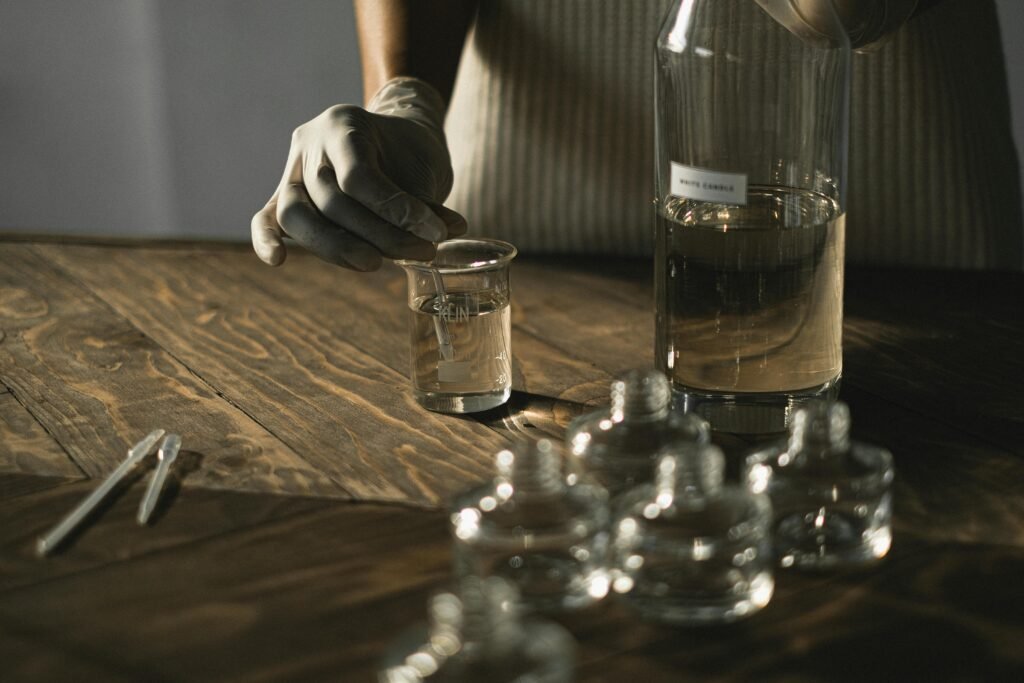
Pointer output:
x,y
751,126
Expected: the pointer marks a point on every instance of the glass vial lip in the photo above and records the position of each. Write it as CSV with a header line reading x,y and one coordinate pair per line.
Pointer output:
x,y
690,471
490,254
640,394
821,423
531,468
476,608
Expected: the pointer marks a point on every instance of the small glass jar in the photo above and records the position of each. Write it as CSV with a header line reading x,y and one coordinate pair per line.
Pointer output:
x,y
690,549
832,496
477,635
536,527
618,446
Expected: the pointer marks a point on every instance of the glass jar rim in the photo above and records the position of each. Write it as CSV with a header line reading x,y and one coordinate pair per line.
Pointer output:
x,y
493,254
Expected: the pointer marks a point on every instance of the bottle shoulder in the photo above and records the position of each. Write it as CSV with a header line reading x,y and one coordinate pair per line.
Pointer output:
x,y
581,506
539,649
857,461
597,435
732,512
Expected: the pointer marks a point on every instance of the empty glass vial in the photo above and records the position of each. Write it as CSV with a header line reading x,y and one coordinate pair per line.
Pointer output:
x,y
477,635
618,446
530,526
690,549
832,496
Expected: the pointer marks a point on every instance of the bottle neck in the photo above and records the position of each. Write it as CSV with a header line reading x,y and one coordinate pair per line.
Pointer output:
x,y
536,468
641,397
820,429
690,475
483,615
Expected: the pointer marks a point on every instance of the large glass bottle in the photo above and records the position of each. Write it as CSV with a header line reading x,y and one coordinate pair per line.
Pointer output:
x,y
751,125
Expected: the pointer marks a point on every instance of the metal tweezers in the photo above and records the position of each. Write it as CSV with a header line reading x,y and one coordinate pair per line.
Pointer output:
x,y
167,453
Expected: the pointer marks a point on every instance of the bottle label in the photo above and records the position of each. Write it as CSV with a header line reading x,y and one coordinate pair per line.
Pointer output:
x,y
702,185
454,371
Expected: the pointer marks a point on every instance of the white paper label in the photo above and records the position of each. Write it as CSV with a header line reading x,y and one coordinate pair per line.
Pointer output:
x,y
454,371
690,182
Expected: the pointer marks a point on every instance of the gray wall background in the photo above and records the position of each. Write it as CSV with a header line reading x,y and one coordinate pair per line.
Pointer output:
x,y
160,117
172,117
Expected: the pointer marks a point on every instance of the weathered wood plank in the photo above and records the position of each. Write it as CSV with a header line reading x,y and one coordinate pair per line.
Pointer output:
x,y
97,384
950,485
26,447
28,659
897,622
372,314
295,361
279,603
947,345
310,597
111,535
13,485
552,385
369,311
591,308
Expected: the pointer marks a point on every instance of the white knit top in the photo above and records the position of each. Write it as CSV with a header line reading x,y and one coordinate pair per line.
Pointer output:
x,y
551,132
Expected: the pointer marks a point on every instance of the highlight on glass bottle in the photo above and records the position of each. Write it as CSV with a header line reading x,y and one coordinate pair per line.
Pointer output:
x,y
689,548
832,496
477,634
460,326
751,144
618,446
536,526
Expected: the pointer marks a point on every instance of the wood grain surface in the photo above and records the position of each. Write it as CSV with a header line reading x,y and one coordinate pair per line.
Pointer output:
x,y
259,565
26,447
297,370
305,595
97,384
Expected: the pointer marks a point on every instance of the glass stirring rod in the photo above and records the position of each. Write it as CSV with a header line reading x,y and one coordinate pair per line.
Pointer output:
x,y
444,338
167,453
137,452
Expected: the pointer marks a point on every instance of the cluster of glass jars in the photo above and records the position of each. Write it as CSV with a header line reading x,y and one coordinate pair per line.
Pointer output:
x,y
639,508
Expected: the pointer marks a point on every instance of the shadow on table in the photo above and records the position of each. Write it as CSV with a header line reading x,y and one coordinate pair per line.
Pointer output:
x,y
186,463
930,612
532,415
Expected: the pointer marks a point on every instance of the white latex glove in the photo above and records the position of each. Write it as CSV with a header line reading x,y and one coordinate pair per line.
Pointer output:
x,y
864,21
362,184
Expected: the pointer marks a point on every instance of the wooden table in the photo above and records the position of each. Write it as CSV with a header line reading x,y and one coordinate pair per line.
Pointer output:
x,y
305,525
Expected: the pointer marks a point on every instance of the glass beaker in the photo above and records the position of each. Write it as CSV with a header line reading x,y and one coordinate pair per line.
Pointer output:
x,y
751,125
460,326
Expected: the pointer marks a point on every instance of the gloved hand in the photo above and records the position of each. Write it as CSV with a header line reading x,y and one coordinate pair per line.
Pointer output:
x,y
864,21
362,184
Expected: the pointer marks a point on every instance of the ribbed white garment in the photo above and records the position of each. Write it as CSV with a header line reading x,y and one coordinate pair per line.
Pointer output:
x,y
551,132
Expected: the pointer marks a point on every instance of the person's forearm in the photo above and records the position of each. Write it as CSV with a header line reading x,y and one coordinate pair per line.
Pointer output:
x,y
418,38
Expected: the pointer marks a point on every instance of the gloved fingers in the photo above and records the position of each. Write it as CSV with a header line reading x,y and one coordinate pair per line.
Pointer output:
x,y
267,236
303,222
456,223
357,167
339,208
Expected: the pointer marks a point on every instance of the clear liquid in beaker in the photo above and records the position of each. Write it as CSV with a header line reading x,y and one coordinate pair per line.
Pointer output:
x,y
754,297
477,372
